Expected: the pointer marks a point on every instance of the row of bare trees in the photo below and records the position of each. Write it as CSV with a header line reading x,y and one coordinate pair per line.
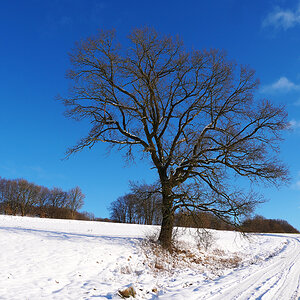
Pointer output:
x,y
144,203
141,206
20,197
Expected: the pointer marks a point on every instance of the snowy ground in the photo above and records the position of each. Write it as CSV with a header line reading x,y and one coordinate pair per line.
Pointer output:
x,y
63,259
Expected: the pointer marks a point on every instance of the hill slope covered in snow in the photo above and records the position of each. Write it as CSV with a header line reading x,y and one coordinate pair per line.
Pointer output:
x,y
66,259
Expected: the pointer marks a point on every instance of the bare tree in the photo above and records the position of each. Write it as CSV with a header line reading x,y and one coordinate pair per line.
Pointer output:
x,y
10,193
124,209
141,206
118,210
27,195
192,113
2,189
3,200
58,198
147,200
75,199
43,200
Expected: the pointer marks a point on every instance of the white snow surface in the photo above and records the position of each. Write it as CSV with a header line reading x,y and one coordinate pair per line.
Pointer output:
x,y
67,259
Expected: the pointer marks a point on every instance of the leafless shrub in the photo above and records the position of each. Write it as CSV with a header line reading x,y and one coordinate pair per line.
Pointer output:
x,y
204,238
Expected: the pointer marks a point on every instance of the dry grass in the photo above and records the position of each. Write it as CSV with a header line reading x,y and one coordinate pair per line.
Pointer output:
x,y
182,256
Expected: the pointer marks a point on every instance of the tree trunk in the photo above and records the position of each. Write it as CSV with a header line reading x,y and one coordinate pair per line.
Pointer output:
x,y
166,230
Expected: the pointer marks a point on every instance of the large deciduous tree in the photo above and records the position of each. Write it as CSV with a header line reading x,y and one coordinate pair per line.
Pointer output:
x,y
192,113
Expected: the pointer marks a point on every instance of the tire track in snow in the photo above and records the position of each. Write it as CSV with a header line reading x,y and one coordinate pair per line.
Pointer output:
x,y
288,287
276,278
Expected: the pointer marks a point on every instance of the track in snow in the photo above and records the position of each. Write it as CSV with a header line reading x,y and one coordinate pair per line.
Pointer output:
x,y
277,277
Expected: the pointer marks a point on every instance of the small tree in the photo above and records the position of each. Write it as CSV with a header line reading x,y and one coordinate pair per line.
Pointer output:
x,y
192,113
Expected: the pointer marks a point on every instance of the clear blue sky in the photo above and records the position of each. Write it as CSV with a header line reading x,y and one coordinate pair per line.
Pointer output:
x,y
36,36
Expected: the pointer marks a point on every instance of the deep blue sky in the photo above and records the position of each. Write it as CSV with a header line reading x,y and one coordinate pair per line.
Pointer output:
x,y
36,36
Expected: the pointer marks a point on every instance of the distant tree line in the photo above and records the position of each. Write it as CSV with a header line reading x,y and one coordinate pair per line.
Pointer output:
x,y
257,224
20,197
143,206
261,224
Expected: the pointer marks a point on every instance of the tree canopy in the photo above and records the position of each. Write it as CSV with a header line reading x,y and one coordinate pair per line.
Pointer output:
x,y
191,112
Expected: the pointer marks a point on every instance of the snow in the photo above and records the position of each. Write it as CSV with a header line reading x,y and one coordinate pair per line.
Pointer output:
x,y
67,259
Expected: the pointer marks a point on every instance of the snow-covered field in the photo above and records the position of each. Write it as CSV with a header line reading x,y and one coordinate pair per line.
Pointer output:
x,y
64,259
